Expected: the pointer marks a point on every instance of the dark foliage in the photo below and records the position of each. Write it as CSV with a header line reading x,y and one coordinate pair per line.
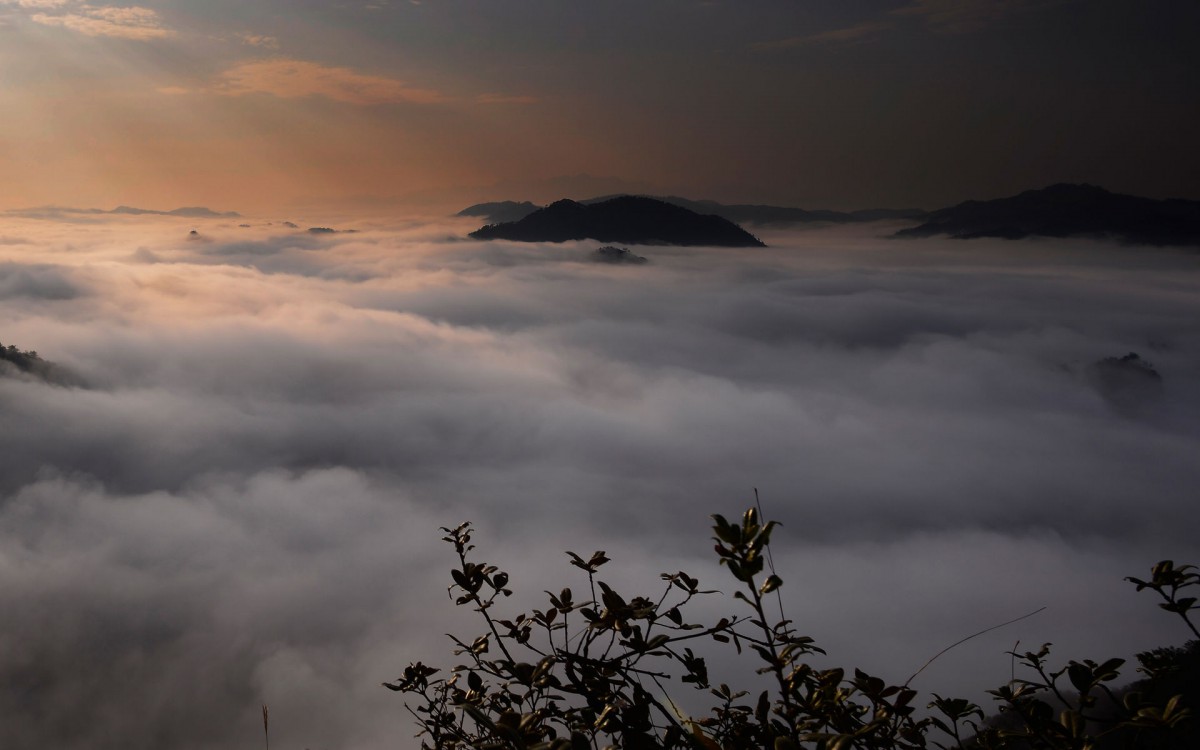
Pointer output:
x,y
593,672
28,365
25,362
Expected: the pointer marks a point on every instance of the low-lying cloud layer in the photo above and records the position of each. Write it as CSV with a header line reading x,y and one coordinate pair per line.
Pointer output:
x,y
241,505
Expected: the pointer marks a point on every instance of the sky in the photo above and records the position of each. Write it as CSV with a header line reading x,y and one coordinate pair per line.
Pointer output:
x,y
269,105
227,490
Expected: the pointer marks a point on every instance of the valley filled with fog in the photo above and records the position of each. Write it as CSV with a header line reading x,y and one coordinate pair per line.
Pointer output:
x,y
227,491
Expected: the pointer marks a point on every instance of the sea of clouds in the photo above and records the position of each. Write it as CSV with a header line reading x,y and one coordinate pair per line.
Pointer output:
x,y
229,494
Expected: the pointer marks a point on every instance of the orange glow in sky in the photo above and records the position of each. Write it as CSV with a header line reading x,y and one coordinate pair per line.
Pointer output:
x,y
265,105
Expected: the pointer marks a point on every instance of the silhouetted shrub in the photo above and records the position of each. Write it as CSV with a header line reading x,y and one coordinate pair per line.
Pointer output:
x,y
591,671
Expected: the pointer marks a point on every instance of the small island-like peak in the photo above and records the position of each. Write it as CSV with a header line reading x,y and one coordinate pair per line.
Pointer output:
x,y
628,219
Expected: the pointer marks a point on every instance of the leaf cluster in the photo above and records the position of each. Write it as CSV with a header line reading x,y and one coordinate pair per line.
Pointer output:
x,y
595,668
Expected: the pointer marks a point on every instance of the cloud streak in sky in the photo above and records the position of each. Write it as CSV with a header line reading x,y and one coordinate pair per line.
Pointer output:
x,y
941,16
293,79
506,99
132,22
963,16
259,40
859,33
37,4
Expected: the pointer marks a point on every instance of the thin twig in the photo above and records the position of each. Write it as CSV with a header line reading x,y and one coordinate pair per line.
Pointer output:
x,y
771,562
1012,662
964,640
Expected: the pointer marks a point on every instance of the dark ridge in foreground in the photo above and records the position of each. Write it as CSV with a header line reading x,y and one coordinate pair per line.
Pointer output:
x,y
1066,210
627,219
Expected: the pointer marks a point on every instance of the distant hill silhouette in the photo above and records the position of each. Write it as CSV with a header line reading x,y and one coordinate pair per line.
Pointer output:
x,y
627,219
76,214
742,213
499,212
191,212
1066,210
1062,210
617,256
748,213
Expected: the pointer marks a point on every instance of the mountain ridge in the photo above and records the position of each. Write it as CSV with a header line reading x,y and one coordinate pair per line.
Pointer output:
x,y
738,213
633,220
54,212
1058,210
1068,210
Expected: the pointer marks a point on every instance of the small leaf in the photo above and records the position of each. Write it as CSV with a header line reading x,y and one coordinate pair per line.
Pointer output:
x,y
1072,722
703,739
1109,670
1081,677
772,583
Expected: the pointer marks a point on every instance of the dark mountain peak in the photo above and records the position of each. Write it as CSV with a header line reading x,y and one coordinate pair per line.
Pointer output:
x,y
191,212
1068,210
627,219
203,212
1070,189
741,214
565,204
617,256
636,200
499,211
1129,384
